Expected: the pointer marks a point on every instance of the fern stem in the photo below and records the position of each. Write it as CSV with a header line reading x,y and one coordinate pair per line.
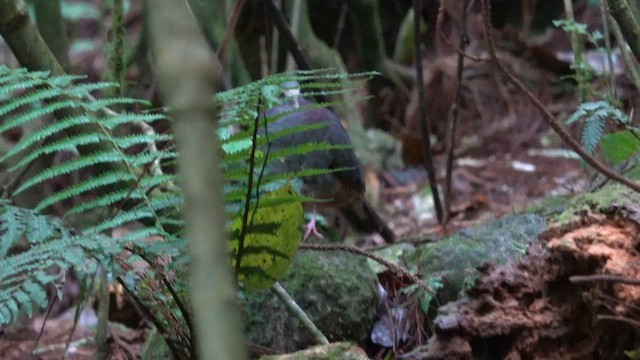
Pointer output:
x,y
247,202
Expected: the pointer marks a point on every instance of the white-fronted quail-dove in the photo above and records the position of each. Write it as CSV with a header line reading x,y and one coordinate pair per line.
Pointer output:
x,y
343,189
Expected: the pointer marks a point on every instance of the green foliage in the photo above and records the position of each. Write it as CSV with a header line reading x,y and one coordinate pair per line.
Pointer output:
x,y
127,187
620,146
633,354
243,106
584,71
594,116
122,195
404,52
269,247
572,26
425,298
51,248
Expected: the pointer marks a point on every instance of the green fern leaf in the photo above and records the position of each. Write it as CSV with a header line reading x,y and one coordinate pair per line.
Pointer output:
x,y
70,166
592,133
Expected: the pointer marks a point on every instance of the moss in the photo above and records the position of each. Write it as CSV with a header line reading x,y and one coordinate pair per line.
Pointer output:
x,y
597,201
338,292
458,256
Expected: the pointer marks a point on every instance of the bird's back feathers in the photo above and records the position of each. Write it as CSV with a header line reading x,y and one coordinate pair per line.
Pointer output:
x,y
343,189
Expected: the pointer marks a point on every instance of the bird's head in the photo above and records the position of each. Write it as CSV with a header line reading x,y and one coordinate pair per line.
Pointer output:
x,y
291,90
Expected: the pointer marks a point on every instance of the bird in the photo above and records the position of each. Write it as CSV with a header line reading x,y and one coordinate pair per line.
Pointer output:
x,y
342,188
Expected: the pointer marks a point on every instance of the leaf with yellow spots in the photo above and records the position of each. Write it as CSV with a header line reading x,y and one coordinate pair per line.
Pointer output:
x,y
271,239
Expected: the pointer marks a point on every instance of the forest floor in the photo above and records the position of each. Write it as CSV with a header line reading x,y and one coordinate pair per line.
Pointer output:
x,y
502,169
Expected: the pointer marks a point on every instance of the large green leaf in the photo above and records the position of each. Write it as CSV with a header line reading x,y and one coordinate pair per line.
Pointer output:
x,y
271,241
620,146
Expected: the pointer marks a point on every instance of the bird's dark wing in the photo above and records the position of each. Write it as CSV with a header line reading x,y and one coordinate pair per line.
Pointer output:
x,y
343,184
345,188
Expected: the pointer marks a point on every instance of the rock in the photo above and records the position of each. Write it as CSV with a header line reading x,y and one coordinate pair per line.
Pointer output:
x,y
457,257
337,290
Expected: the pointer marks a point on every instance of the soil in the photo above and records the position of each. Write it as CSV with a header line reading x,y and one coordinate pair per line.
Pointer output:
x,y
554,304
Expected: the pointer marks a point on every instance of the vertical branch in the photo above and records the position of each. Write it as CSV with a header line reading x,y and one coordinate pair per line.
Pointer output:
x,y
453,119
627,58
425,125
628,21
287,35
115,38
51,25
611,76
223,51
189,76
295,29
582,77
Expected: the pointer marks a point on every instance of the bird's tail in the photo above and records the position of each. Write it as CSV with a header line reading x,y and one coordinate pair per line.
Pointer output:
x,y
364,218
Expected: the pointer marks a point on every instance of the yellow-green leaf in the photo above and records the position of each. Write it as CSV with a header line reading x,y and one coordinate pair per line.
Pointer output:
x,y
271,241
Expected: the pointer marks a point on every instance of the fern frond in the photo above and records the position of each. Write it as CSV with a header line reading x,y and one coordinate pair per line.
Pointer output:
x,y
106,199
54,248
65,144
122,218
43,133
84,187
304,149
35,113
595,114
143,200
592,132
71,166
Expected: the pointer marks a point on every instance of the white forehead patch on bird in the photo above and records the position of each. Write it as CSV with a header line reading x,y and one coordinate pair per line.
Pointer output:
x,y
291,90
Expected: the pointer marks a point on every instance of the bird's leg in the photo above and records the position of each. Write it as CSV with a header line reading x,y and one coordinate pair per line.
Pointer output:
x,y
311,227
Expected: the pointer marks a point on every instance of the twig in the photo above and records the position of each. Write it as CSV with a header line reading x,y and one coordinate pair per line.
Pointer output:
x,y
44,323
181,306
398,270
61,346
297,311
223,51
547,116
453,116
611,76
294,25
340,26
425,124
156,321
626,53
581,279
440,20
